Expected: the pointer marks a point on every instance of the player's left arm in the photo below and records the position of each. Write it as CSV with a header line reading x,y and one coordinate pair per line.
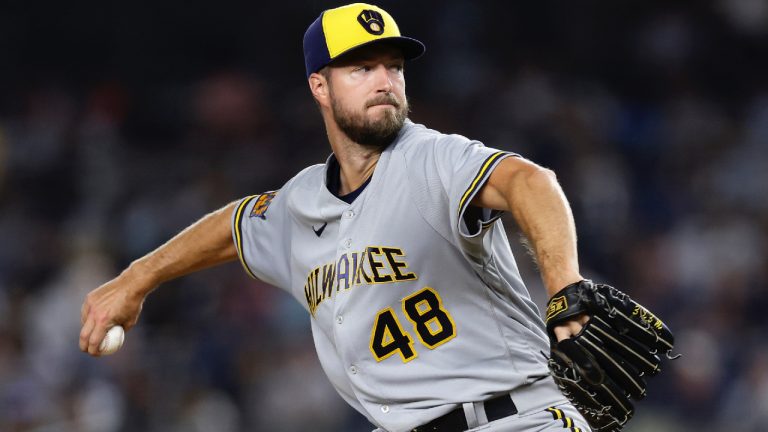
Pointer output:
x,y
535,199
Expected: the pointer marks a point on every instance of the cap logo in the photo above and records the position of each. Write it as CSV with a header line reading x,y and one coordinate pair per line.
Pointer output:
x,y
371,21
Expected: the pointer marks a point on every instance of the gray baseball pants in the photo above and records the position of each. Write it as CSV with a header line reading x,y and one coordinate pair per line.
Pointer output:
x,y
541,408
560,418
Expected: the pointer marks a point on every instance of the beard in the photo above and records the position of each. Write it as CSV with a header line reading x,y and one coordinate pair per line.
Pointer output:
x,y
376,134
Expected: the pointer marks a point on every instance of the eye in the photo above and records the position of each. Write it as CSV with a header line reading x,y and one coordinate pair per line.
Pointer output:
x,y
396,67
361,68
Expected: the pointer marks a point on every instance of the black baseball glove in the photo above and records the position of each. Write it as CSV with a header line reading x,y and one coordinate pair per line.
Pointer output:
x,y
603,368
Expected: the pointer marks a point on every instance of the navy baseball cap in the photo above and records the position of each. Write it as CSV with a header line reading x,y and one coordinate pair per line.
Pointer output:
x,y
340,30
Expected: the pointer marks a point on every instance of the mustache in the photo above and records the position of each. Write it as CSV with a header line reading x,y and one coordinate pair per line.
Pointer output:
x,y
383,99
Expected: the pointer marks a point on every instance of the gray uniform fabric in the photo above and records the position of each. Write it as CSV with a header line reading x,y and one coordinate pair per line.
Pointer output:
x,y
414,311
560,418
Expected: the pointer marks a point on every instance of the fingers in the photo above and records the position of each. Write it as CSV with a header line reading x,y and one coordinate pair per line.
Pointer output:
x,y
117,302
564,332
97,315
97,335
92,334
570,328
94,327
90,329
85,334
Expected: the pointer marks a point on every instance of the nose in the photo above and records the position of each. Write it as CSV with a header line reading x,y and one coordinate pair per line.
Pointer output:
x,y
383,79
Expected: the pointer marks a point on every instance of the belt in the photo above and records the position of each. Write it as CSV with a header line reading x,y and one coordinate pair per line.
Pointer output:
x,y
456,421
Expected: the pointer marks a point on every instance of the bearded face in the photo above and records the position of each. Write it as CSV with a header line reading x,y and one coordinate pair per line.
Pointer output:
x,y
375,124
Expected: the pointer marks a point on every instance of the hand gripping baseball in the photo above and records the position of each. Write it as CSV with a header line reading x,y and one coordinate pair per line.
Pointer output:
x,y
602,368
117,302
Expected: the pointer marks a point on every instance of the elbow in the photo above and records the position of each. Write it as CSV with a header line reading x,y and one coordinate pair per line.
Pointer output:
x,y
519,180
537,177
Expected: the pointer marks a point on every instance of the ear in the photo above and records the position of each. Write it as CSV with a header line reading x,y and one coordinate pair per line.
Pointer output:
x,y
318,85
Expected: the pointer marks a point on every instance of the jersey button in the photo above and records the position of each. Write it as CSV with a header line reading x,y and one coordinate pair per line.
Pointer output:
x,y
347,243
353,370
339,319
385,409
349,214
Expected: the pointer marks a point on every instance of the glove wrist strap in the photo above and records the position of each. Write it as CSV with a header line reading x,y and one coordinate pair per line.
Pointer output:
x,y
571,301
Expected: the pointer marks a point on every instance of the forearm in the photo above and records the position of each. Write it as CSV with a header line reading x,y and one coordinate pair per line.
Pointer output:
x,y
204,244
118,302
542,212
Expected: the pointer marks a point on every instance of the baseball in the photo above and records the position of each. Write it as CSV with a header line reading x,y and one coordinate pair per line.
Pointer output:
x,y
112,341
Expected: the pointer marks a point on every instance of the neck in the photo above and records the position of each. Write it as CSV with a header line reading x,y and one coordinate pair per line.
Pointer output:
x,y
357,162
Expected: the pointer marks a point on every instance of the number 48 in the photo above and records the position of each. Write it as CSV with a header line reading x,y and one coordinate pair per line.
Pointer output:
x,y
424,309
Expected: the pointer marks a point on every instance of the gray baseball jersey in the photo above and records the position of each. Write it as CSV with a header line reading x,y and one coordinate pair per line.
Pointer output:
x,y
416,300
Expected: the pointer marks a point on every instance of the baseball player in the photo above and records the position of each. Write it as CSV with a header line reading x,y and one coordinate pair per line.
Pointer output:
x,y
394,247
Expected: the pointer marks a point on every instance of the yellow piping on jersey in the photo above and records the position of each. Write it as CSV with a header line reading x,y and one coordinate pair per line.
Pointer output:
x,y
239,234
483,170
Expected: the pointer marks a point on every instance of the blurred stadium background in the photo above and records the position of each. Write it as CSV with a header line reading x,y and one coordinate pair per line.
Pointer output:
x,y
123,122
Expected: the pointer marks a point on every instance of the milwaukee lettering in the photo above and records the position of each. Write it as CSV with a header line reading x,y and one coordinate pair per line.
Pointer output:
x,y
374,265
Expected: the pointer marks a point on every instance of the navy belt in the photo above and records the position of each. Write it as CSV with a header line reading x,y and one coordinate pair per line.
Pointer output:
x,y
455,421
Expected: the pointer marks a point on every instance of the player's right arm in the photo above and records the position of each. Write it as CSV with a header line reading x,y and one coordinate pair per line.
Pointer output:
x,y
205,243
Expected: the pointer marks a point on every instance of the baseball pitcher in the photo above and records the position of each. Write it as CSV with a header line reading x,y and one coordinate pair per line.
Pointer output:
x,y
395,249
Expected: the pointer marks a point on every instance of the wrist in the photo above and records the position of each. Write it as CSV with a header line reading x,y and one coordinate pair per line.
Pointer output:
x,y
143,278
553,285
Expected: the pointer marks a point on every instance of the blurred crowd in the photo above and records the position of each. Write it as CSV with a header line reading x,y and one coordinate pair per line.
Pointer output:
x,y
122,124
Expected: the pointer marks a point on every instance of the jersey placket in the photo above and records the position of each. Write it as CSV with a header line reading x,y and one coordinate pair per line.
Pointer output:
x,y
345,244
350,222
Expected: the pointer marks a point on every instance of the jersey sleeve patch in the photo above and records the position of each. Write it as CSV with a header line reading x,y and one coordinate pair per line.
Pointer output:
x,y
487,216
262,204
238,228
